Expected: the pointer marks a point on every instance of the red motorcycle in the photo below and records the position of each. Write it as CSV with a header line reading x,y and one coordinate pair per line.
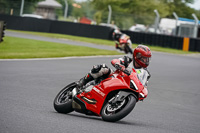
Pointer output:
x,y
125,44
112,98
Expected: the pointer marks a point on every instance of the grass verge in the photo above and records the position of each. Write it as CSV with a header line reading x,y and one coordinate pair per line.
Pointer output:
x,y
69,37
18,48
102,42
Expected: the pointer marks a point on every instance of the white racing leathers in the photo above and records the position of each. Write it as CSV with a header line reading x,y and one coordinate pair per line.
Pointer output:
x,y
143,74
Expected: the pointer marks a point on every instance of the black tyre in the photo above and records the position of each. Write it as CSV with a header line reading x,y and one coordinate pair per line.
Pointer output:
x,y
63,100
118,111
128,50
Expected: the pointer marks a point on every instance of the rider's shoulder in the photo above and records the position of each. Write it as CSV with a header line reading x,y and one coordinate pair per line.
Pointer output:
x,y
147,71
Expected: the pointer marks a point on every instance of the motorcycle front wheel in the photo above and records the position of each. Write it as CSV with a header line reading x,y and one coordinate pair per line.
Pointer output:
x,y
127,49
63,100
116,112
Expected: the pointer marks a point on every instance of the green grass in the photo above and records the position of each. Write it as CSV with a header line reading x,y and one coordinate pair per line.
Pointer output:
x,y
70,37
103,42
18,48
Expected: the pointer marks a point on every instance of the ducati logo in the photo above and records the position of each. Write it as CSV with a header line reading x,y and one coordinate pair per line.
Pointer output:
x,y
98,91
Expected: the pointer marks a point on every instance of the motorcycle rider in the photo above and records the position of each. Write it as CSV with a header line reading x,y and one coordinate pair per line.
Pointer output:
x,y
140,62
120,40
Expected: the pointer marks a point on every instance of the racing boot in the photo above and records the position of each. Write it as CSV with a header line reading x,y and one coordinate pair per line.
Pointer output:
x,y
83,81
117,47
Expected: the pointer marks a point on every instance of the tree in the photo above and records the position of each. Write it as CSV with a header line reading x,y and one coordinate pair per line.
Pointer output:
x,y
70,7
7,5
98,17
142,11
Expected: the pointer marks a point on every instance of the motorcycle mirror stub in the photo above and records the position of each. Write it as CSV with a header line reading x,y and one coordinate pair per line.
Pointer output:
x,y
74,92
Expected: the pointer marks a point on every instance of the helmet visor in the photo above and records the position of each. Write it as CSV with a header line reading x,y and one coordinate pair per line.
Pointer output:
x,y
145,60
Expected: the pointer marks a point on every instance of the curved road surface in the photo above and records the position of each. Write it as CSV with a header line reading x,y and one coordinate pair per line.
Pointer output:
x,y
28,88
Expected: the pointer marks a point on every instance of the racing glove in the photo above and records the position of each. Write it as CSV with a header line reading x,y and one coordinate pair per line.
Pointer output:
x,y
119,67
122,68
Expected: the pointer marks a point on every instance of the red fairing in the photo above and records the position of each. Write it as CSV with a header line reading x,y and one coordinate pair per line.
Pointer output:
x,y
141,88
122,41
115,61
116,81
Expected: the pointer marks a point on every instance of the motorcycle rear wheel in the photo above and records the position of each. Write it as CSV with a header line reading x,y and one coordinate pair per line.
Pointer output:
x,y
113,114
63,100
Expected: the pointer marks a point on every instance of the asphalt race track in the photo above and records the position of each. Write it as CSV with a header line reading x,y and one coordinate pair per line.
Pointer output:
x,y
28,88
